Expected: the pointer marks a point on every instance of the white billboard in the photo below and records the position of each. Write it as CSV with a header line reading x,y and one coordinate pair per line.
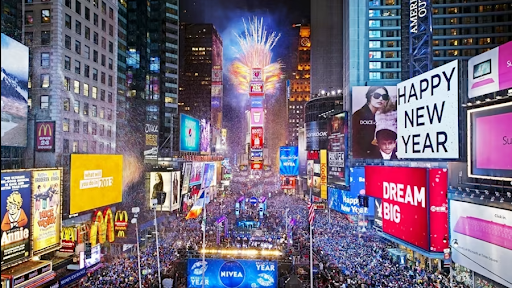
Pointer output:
x,y
428,114
483,237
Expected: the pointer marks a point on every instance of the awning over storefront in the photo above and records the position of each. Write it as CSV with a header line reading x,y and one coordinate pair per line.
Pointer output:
x,y
412,247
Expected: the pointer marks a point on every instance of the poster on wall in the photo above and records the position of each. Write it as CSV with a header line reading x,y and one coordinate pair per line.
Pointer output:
x,y
257,138
16,216
45,136
175,190
160,184
187,168
490,142
336,149
479,251
490,71
374,122
428,114
46,211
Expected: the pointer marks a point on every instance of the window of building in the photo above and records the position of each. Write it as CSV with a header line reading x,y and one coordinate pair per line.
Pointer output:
x,y
84,146
102,95
87,14
65,124
110,47
110,63
65,105
102,112
110,30
44,102
87,33
29,17
95,38
75,146
452,53
374,44
67,21
76,106
77,67
103,7
76,86
103,76
94,74
374,75
109,131
45,80
103,43
87,52
94,92
103,25
93,128
78,27
102,130
95,19
109,114
454,42
29,38
86,70
76,126
86,108
67,83
93,147
86,90
94,111
109,98
45,16
103,60
484,41
78,7
65,146
110,81
110,13
67,3
375,65
100,148
375,54
45,38
67,42
45,59
95,56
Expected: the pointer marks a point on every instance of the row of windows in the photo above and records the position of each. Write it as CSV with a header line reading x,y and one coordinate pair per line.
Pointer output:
x,y
470,41
78,26
378,34
468,9
383,75
380,65
472,20
78,8
84,126
379,54
86,148
85,109
486,30
384,44
78,89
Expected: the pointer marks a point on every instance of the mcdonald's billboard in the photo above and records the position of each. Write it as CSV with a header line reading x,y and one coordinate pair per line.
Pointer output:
x,y
121,223
45,136
68,235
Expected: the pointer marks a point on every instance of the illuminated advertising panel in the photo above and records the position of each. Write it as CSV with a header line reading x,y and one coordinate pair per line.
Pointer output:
x,y
256,165
257,155
46,211
316,135
224,138
187,169
483,239
160,184
45,136
216,75
257,102
175,190
347,202
232,273
257,115
205,136
154,64
403,192
96,181
438,209
256,89
15,92
336,149
289,160
257,138
257,75
196,174
16,215
323,174
490,71
151,132
366,124
302,151
490,142
208,175
428,115
216,102
190,132
288,182
217,90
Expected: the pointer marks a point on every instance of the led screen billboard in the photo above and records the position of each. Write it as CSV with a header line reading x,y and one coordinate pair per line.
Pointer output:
x,y
374,114
490,142
428,114
316,135
257,102
404,193
160,189
484,241
151,132
256,89
336,149
288,182
46,211
96,181
15,92
186,173
490,71
289,160
16,215
208,175
257,116
257,138
196,174
205,136
347,202
190,133
232,273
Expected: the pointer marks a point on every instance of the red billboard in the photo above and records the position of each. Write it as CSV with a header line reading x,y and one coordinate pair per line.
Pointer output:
x,y
438,212
288,182
256,89
256,138
256,166
403,191
45,136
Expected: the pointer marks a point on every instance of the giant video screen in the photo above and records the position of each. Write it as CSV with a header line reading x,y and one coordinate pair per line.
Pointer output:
x,y
490,142
481,239
232,273
14,92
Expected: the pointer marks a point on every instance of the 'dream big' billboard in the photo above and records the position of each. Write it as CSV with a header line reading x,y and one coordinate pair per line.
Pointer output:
x,y
232,273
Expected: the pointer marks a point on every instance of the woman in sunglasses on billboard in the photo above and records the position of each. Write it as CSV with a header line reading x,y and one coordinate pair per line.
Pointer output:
x,y
363,121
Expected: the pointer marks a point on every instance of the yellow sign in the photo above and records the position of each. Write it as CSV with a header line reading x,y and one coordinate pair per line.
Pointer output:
x,y
96,181
323,174
46,211
102,227
121,223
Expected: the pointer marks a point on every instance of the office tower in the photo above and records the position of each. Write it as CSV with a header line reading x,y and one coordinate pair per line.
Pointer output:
x,y
201,90
123,127
73,78
299,86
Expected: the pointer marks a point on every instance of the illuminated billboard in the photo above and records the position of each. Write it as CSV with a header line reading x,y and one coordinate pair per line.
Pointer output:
x,y
257,138
257,102
187,169
289,160
288,182
196,174
490,142
45,136
316,135
96,181
257,115
336,149
232,273
46,211
151,132
15,64
323,174
165,188
205,136
256,89
190,132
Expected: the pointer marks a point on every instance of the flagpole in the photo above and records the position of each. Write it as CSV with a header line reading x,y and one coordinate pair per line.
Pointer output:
x,y
310,244
204,233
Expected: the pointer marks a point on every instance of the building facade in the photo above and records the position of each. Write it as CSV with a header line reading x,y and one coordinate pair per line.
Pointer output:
x,y
299,86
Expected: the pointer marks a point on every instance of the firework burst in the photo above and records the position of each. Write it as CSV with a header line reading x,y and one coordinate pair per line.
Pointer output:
x,y
254,52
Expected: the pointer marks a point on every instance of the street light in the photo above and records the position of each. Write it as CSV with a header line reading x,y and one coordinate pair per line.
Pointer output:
x,y
134,221
153,206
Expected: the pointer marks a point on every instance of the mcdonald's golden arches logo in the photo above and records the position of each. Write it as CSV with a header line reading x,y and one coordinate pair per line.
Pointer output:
x,y
121,223
45,128
45,136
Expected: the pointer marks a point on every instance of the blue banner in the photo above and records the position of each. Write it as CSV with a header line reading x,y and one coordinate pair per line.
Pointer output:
x,y
257,102
347,201
232,273
190,132
289,160
208,174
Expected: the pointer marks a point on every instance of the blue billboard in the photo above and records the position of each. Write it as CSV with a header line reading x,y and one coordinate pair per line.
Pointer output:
x,y
347,201
257,102
231,273
208,175
289,160
190,132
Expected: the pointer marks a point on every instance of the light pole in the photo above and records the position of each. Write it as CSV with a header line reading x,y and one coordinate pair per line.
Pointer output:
x,y
136,210
153,205
286,223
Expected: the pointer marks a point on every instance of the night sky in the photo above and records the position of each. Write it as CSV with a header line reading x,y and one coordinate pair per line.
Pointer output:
x,y
278,16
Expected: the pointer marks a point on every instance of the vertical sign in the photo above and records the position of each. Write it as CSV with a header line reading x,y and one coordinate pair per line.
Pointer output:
x,y
336,131
257,138
45,136
323,174
438,212
15,212
151,132
187,167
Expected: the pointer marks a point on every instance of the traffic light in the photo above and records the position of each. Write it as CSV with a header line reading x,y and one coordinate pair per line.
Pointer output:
x,y
88,250
361,200
365,201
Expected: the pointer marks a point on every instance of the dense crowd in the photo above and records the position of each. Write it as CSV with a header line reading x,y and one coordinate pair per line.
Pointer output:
x,y
346,256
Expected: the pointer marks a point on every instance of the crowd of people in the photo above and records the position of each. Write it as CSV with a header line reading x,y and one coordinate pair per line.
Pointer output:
x,y
346,257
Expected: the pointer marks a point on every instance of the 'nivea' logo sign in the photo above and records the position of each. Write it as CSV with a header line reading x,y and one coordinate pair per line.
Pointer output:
x,y
231,274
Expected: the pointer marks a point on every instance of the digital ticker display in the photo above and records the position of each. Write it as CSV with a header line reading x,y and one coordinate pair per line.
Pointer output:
x,y
232,273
